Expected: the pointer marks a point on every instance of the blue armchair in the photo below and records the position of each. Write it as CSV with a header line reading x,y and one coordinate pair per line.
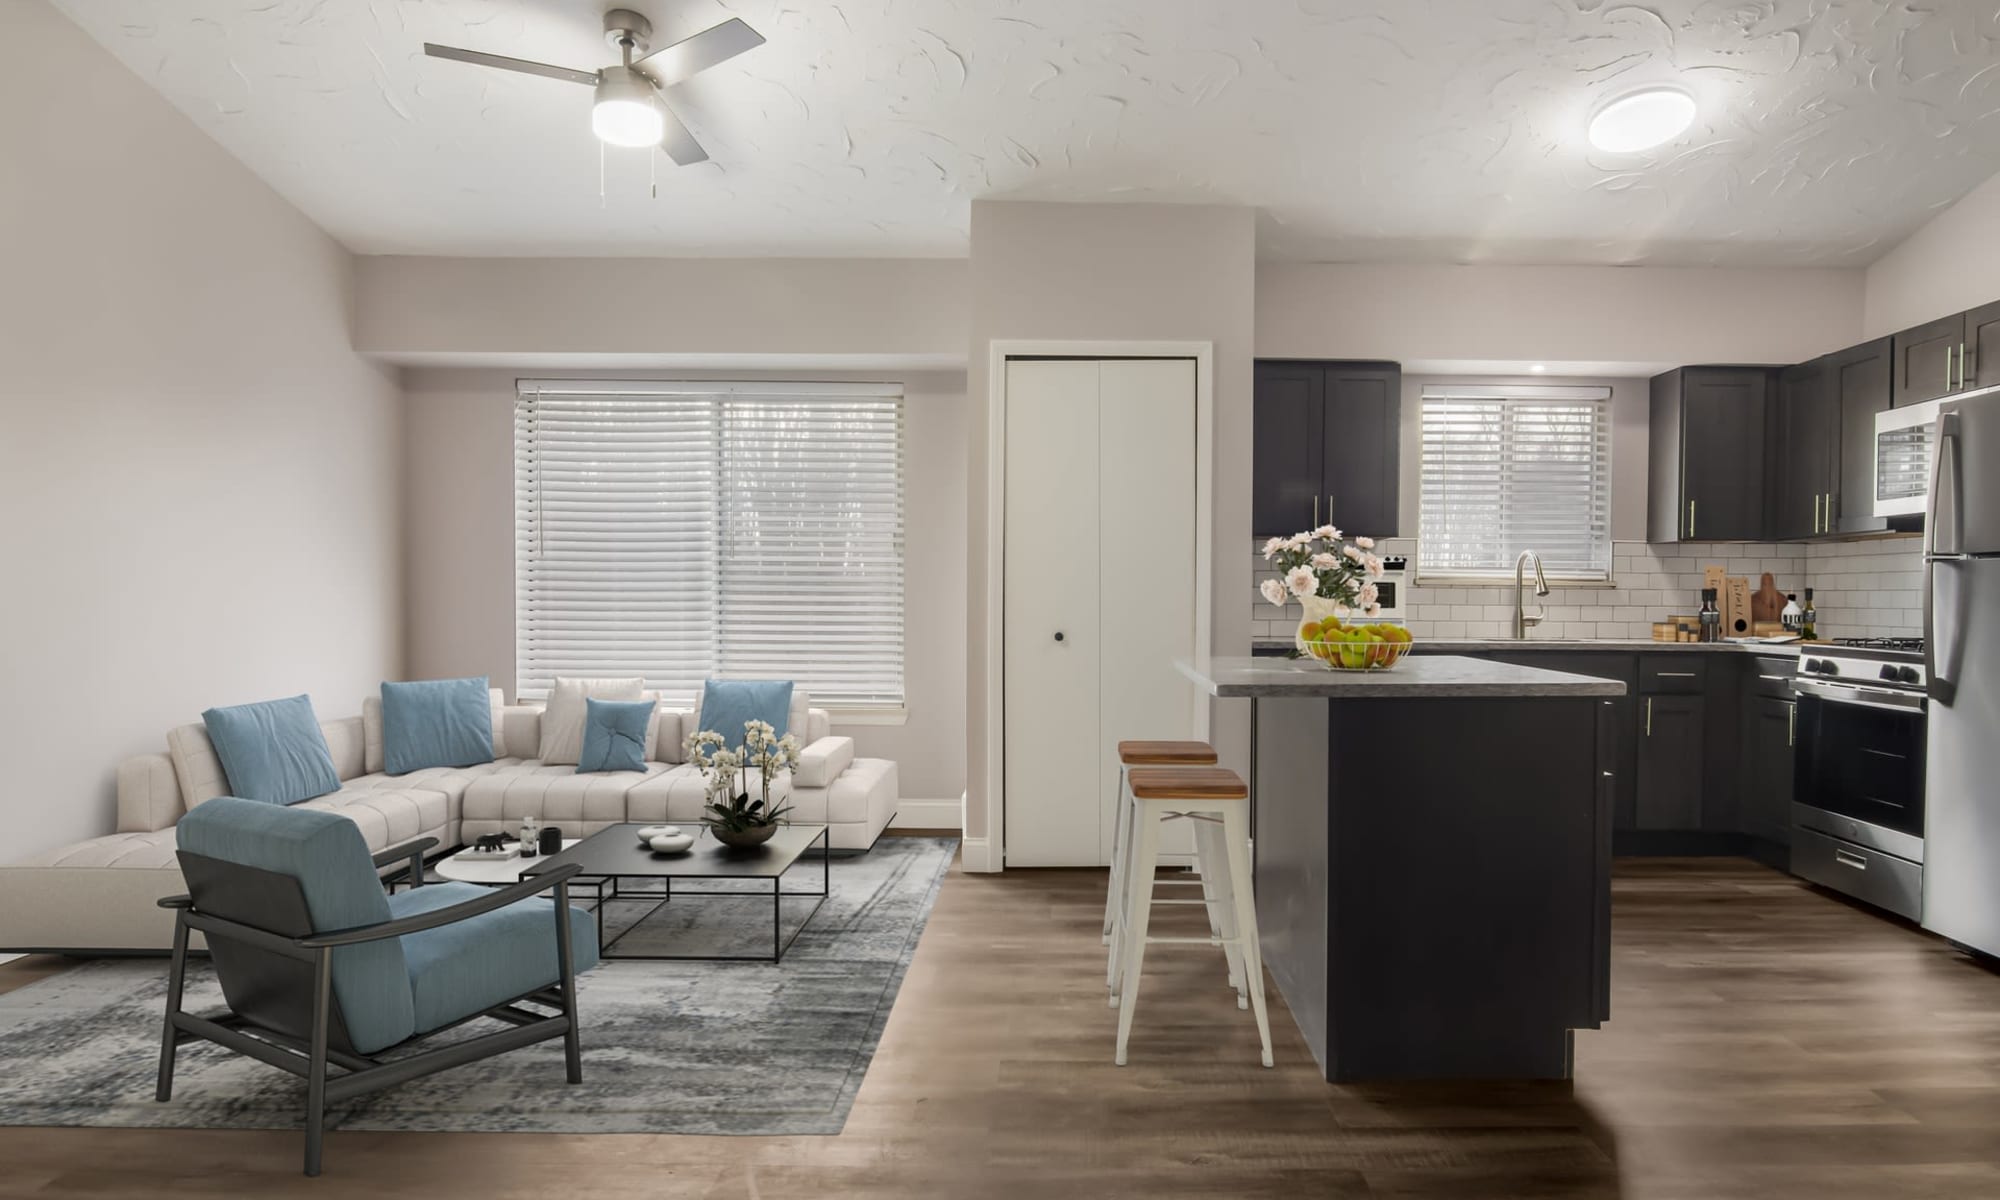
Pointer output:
x,y
320,968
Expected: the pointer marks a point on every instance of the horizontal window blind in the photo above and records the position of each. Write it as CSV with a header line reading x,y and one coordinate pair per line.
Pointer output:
x,y
693,531
1513,468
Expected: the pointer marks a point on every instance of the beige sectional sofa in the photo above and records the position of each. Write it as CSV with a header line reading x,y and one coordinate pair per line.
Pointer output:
x,y
99,895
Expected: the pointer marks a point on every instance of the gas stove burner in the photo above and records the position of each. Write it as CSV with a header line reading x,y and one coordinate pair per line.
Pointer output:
x,y
1913,645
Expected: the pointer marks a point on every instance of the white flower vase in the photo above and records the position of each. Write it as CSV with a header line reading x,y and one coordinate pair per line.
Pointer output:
x,y
1318,608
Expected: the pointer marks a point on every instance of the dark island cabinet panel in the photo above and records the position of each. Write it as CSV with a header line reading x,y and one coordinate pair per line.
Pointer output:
x,y
1325,447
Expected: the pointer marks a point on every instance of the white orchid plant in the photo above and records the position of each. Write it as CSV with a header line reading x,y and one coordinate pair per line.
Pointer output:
x,y
768,753
1326,563
709,752
762,750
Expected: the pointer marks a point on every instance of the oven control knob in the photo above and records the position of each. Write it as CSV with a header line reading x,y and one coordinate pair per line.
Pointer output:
x,y
1811,666
1890,673
1909,675
1829,667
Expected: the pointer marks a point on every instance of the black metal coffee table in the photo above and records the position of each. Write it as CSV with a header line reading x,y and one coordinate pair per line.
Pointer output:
x,y
615,854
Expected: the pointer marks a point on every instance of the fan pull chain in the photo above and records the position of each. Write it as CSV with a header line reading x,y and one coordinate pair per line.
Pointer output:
x,y
653,171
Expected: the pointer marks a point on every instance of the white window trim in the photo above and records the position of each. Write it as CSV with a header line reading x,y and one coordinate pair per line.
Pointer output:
x,y
1435,577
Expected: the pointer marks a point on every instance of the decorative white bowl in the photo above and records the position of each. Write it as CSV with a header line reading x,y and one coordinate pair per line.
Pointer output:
x,y
678,843
648,832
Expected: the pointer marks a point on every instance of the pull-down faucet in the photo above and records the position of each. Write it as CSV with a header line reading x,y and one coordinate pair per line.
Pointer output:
x,y
1523,619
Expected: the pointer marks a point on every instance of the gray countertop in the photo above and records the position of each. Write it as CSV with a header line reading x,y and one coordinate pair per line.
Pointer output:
x,y
1576,645
1419,676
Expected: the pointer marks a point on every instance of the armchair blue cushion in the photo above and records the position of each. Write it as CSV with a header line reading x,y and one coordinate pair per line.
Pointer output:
x,y
470,966
330,860
391,990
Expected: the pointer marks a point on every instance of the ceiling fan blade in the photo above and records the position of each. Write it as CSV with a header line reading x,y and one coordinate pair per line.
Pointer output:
x,y
678,142
477,58
672,64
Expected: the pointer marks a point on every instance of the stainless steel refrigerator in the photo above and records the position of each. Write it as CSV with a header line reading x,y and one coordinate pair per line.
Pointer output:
x,y
1962,651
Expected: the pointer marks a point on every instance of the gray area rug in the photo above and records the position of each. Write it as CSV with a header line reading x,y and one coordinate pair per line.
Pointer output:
x,y
711,1048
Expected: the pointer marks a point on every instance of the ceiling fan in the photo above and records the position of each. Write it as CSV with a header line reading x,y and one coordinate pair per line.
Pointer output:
x,y
630,110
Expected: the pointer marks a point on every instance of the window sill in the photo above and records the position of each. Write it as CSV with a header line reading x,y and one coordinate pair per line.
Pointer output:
x,y
1506,580
867,716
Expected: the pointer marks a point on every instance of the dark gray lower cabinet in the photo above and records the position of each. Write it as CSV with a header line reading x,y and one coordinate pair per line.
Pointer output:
x,y
1671,762
1769,730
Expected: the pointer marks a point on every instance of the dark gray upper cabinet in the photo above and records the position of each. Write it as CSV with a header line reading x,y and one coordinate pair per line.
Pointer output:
x,y
1325,447
1982,346
1927,360
1859,378
1805,452
1707,462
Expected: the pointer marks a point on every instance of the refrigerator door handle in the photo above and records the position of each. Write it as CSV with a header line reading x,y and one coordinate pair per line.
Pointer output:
x,y
1944,466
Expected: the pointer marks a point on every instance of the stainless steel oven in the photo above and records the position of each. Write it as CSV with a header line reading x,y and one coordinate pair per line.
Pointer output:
x,y
1858,792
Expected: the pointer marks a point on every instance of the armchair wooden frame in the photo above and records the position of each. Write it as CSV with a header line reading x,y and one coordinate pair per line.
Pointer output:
x,y
313,1054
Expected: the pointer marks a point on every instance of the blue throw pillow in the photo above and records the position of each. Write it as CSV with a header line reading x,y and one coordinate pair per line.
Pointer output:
x,y
726,704
614,735
436,723
273,751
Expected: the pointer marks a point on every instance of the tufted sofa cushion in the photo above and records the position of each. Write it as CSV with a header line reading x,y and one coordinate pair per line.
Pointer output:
x,y
554,792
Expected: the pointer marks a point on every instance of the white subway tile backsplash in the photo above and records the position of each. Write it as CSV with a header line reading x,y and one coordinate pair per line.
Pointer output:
x,y
1861,589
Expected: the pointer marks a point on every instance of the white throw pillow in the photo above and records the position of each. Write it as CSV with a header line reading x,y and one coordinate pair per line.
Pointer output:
x,y
562,720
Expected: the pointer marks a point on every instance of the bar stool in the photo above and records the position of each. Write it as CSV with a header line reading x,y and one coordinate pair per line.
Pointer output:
x,y
1141,754
1218,801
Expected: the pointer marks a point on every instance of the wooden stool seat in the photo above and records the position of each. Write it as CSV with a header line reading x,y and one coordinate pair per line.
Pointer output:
x,y
1187,783
1165,754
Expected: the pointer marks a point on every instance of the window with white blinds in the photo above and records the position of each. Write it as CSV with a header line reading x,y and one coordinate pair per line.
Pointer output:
x,y
1508,468
687,531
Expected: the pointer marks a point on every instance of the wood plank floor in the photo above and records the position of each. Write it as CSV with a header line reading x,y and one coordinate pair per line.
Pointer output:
x,y
1767,1041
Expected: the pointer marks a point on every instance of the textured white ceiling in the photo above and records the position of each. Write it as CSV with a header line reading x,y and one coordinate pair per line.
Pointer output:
x,y
1432,130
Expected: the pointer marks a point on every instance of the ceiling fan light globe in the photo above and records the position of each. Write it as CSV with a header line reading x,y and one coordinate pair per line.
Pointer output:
x,y
628,122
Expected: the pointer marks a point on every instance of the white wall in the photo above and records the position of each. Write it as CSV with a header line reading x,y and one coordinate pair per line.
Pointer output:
x,y
1113,271
481,311
202,477
460,534
1951,264
1649,318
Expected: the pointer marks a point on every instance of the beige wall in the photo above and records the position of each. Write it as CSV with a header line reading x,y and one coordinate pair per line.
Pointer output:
x,y
1113,271
1949,265
1650,318
460,536
201,476
474,310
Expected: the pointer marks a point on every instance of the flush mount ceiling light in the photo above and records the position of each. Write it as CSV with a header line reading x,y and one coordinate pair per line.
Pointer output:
x,y
1642,120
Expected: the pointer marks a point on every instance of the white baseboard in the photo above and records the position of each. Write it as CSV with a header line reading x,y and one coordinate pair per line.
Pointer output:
x,y
929,814
978,855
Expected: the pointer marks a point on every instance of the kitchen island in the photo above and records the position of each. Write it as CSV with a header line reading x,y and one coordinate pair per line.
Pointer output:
x,y
1433,859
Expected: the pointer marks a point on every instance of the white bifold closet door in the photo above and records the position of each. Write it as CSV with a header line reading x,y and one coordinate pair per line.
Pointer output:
x,y
1099,591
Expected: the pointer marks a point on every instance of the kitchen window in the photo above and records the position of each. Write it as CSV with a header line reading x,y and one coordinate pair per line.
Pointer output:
x,y
687,531
1508,468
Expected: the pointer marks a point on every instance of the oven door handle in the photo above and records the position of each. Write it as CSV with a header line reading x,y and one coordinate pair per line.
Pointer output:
x,y
1864,697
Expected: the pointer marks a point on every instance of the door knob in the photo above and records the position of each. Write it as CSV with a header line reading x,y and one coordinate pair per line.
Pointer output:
x,y
1059,636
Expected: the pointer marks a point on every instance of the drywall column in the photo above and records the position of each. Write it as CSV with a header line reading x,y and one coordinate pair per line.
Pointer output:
x,y
1110,272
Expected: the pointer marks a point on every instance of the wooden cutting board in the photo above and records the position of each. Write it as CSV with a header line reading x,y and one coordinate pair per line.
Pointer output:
x,y
1767,603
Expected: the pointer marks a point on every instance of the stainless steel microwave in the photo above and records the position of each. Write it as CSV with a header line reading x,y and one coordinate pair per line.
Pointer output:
x,y
1905,439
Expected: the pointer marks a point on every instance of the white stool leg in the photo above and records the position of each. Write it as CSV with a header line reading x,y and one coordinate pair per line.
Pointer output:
x,y
1215,889
1119,820
1114,960
1138,913
1236,832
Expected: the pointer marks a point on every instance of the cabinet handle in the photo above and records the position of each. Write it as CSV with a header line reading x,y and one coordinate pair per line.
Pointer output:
x,y
1815,512
1777,678
1961,366
1791,724
1649,716
1829,512
1673,674
1690,519
1315,512
1850,860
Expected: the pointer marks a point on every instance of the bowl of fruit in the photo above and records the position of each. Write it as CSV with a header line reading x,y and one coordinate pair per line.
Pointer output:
x,y
1342,647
